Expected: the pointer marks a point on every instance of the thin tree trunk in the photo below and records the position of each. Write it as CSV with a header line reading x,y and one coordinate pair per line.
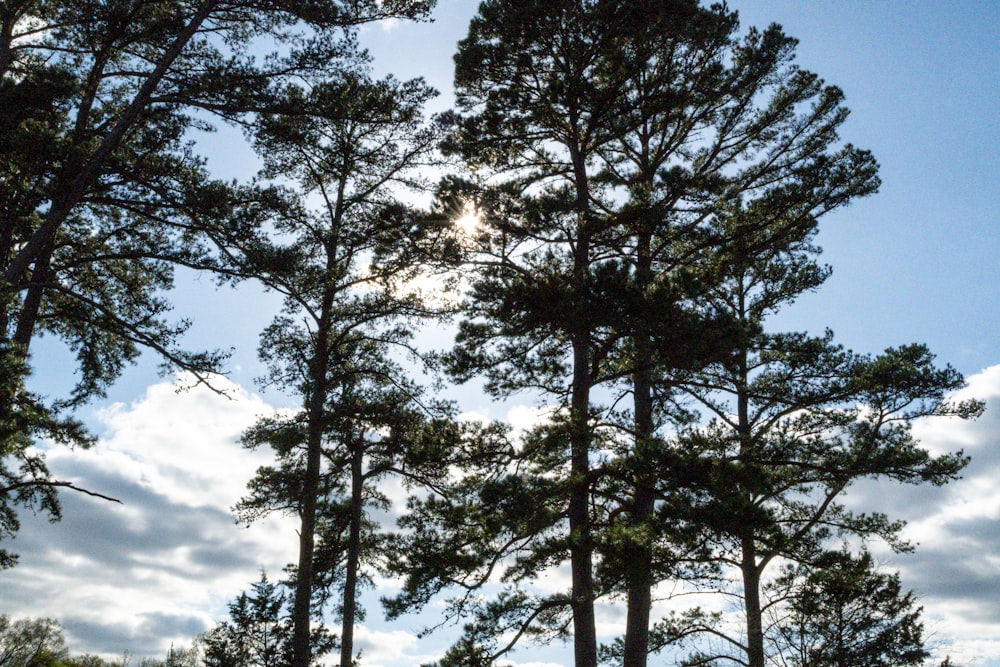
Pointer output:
x,y
639,577
301,648
7,41
581,539
31,306
748,546
639,556
751,597
307,531
353,556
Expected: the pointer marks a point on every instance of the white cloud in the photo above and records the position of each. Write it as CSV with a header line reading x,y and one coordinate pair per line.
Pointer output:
x,y
473,416
956,529
183,444
554,580
160,567
609,620
388,648
523,418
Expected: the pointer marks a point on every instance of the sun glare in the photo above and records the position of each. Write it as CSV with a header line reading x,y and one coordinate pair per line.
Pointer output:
x,y
468,220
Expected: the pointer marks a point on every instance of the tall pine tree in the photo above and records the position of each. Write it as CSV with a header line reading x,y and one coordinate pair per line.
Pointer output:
x,y
101,194
341,252
611,136
796,420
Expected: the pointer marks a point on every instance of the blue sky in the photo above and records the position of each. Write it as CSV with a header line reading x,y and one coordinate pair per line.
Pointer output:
x,y
919,261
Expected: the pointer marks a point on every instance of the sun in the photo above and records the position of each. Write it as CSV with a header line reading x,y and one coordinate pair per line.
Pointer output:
x,y
469,220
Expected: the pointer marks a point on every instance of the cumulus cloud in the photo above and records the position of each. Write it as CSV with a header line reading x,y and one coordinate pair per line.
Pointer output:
x,y
956,529
387,648
160,567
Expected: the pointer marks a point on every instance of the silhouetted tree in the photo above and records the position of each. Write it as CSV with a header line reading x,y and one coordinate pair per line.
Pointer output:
x,y
844,612
343,266
258,632
796,420
102,196
610,136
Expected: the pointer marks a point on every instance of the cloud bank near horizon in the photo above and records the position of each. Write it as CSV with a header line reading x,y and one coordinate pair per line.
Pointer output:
x,y
161,567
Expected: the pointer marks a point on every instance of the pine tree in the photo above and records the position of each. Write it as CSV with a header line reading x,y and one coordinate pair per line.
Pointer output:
x,y
844,612
705,118
258,632
342,265
102,196
611,136
796,420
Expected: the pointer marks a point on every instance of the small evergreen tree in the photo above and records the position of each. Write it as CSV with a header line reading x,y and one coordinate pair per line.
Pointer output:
x,y
844,612
258,632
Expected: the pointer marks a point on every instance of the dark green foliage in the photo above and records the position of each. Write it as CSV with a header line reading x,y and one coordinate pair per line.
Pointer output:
x,y
796,420
844,612
341,248
259,631
614,147
488,523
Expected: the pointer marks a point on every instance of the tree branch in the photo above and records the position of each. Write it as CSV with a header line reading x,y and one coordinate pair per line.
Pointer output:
x,y
66,485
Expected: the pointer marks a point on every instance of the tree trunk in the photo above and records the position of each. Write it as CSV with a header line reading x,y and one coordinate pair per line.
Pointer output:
x,y
301,649
751,598
32,303
639,576
307,531
639,555
353,555
581,539
748,546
